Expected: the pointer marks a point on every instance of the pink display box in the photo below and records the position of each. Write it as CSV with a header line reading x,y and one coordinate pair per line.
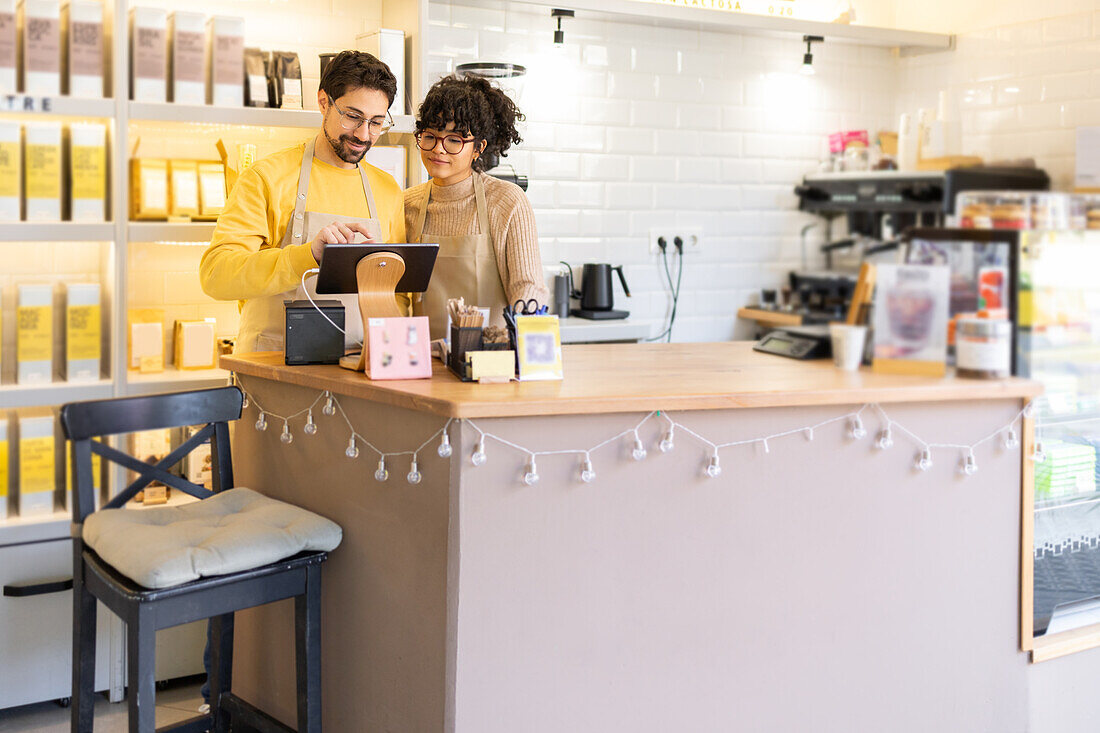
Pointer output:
x,y
398,348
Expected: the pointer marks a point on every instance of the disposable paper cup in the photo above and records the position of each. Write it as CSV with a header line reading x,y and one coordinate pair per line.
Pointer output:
x,y
847,345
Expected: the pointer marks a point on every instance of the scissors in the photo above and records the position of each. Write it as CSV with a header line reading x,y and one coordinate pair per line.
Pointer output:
x,y
529,307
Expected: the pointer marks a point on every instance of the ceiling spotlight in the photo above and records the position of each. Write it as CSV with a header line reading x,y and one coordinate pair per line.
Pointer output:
x,y
559,34
808,57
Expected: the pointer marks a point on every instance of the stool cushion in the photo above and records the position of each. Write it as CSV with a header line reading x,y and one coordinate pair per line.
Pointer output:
x,y
234,530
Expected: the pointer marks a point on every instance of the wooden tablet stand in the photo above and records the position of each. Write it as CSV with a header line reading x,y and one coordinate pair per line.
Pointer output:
x,y
377,276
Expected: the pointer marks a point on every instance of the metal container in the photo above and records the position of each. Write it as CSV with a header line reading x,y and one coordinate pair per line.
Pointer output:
x,y
983,348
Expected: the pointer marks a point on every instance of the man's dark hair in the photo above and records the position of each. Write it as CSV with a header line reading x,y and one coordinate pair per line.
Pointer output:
x,y
354,69
477,109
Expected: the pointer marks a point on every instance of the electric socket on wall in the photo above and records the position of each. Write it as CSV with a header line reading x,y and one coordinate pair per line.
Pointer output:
x,y
691,236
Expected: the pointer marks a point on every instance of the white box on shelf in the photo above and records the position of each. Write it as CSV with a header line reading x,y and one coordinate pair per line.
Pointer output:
x,y
88,171
11,170
37,477
5,471
225,61
42,171
391,159
187,40
148,54
40,47
83,25
9,48
388,45
83,332
34,335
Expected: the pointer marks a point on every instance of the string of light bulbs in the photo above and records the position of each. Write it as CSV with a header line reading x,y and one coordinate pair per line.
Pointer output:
x,y
856,430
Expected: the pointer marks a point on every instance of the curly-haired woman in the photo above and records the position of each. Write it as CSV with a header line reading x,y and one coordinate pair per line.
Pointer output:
x,y
485,227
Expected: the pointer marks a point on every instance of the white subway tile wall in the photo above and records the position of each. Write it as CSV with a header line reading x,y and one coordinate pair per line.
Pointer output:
x,y
632,127
1020,89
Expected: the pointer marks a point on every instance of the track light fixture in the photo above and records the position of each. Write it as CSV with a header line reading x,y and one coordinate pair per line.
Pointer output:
x,y
808,57
559,34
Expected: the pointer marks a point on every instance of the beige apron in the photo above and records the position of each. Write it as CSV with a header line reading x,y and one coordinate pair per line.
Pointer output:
x,y
466,267
263,319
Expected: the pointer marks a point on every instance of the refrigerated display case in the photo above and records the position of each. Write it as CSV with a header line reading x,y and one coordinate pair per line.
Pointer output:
x,y
1055,307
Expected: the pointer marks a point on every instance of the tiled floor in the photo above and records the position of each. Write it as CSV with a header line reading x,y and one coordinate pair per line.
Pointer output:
x,y
178,702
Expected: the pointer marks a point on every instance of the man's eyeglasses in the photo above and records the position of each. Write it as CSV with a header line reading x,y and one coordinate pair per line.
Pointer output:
x,y
452,144
351,121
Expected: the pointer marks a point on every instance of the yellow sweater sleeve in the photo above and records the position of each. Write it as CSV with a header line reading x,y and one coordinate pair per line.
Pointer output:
x,y
243,260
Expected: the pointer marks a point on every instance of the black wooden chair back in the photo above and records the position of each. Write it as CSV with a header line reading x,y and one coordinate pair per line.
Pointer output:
x,y
83,421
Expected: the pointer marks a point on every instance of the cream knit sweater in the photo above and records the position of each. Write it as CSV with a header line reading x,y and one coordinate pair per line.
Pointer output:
x,y
453,212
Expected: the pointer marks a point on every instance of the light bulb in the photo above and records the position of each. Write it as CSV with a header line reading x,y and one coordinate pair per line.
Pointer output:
x,y
857,431
329,408
286,437
245,402
809,433
531,476
970,464
353,449
310,427
444,446
1012,441
714,469
639,449
1038,454
885,439
413,476
588,475
764,442
667,443
380,473
479,457
261,423
924,462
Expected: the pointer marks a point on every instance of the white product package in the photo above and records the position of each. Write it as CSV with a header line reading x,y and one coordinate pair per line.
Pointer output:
x,y
84,48
148,54
37,478
34,335
41,47
187,57
88,171
83,332
11,170
9,48
42,171
225,61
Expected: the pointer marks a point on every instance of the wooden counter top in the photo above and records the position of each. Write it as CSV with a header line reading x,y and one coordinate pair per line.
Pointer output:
x,y
602,378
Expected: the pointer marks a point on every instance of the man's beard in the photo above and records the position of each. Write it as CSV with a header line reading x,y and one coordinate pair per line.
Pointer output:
x,y
343,152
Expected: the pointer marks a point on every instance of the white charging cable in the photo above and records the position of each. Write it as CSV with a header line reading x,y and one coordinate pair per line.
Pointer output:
x,y
309,297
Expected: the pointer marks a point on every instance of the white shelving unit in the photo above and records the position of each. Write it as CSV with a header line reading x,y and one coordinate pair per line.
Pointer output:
x,y
38,528
66,231
14,396
59,106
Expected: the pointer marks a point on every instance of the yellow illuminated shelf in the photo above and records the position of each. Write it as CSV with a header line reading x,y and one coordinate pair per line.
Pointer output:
x,y
65,231
159,231
209,114
174,380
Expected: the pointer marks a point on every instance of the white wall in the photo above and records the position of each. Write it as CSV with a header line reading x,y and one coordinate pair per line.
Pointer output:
x,y
632,127
1022,88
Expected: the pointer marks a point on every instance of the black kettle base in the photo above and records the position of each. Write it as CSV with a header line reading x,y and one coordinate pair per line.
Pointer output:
x,y
608,315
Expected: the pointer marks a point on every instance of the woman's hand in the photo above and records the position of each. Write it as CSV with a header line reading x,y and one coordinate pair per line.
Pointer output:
x,y
337,233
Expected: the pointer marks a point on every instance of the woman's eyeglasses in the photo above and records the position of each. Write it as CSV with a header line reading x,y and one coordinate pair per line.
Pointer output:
x,y
452,144
351,121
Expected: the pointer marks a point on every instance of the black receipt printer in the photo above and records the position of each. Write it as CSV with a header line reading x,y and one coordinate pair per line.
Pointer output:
x,y
310,338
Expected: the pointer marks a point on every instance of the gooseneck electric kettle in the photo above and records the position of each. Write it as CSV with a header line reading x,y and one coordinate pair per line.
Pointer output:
x,y
597,297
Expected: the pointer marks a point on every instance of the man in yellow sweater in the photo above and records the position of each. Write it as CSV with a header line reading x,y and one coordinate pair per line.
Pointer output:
x,y
284,209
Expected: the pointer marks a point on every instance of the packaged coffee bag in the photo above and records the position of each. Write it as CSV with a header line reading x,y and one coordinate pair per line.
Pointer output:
x,y
255,78
288,78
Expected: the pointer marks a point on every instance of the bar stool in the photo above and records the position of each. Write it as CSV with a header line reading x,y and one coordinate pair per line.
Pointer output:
x,y
166,566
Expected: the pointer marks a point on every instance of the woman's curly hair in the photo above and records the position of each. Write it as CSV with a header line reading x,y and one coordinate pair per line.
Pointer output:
x,y
478,109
